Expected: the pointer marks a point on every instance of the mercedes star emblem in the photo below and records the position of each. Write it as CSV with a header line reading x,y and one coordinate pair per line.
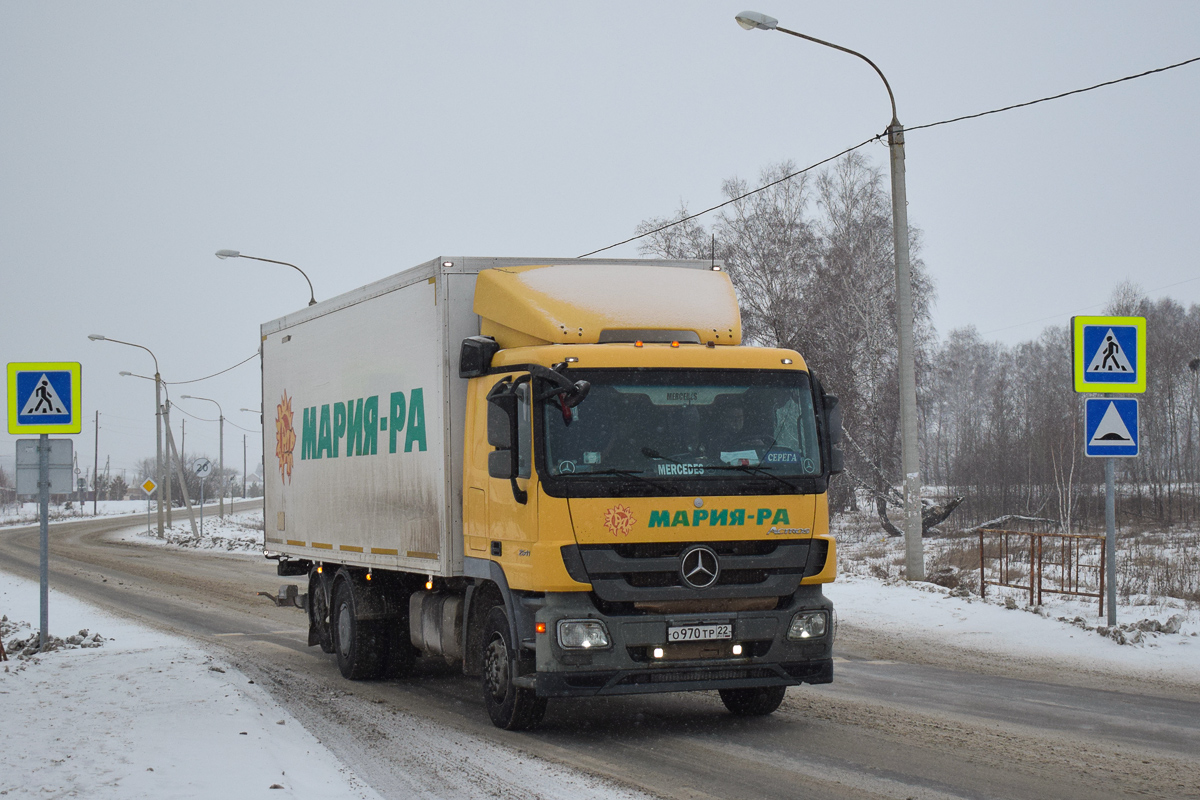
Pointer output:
x,y
699,567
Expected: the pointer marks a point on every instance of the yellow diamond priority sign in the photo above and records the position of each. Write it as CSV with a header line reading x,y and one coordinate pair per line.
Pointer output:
x,y
148,486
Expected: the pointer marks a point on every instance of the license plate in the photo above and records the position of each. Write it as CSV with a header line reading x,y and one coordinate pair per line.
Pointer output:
x,y
699,633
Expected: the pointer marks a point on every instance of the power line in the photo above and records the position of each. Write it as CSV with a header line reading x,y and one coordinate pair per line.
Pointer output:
x,y
190,414
215,374
880,136
1055,96
240,428
733,199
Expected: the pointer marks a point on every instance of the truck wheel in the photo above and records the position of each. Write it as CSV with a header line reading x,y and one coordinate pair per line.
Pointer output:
x,y
756,702
510,707
319,617
360,645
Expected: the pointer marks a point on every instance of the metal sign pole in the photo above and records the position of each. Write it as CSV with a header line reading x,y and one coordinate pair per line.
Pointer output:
x,y
44,511
1110,537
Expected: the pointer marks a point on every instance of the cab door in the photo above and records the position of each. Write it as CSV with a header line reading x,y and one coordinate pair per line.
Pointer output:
x,y
501,524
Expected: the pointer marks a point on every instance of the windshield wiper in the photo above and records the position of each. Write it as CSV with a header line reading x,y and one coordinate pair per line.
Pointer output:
x,y
633,473
749,470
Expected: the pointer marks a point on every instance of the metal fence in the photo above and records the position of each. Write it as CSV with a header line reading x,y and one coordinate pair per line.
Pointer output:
x,y
1043,563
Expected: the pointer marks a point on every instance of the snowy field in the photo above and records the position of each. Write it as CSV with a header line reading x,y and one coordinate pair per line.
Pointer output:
x,y
111,705
27,513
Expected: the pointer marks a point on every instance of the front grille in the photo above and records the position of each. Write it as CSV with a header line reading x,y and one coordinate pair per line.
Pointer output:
x,y
621,573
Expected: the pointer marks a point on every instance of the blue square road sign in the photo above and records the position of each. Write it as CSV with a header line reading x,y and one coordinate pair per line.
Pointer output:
x,y
1111,427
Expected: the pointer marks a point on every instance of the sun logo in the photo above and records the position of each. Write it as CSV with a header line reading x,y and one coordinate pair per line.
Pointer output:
x,y
619,520
285,437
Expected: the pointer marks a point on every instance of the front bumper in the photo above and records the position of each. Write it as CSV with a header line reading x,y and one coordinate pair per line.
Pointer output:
x,y
627,666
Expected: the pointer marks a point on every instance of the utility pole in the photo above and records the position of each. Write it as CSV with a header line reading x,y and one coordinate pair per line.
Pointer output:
x,y
243,466
167,489
96,467
221,456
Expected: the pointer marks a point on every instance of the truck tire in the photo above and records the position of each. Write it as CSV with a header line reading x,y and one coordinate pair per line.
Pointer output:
x,y
319,617
360,645
510,707
757,702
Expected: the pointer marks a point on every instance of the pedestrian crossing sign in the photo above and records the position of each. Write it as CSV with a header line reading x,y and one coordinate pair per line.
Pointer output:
x,y
45,397
1109,354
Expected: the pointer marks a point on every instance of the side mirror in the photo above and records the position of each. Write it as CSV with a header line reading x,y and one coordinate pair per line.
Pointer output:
x,y
503,462
475,356
831,416
501,420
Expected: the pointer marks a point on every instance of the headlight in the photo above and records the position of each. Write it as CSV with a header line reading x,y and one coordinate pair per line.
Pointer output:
x,y
582,634
808,625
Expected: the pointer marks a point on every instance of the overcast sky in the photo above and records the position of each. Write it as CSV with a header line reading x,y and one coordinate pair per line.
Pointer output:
x,y
359,139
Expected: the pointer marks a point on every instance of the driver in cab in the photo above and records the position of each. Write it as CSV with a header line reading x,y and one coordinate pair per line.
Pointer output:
x,y
729,439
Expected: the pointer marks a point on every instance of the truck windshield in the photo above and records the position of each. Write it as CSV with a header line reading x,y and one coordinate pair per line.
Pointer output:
x,y
671,425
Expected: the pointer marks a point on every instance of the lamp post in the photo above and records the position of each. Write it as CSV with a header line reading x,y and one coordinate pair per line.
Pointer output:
x,y
312,299
158,387
221,456
910,455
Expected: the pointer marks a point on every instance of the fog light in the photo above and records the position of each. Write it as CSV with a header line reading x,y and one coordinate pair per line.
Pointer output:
x,y
807,625
582,634
737,649
658,652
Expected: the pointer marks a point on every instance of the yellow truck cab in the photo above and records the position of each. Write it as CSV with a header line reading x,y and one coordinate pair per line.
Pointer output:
x,y
569,476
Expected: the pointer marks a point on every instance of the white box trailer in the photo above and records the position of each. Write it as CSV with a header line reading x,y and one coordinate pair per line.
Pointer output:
x,y
369,374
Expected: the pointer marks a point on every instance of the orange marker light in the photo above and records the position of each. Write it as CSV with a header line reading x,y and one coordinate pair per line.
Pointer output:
x,y
368,576
540,627
637,344
674,344
320,569
429,584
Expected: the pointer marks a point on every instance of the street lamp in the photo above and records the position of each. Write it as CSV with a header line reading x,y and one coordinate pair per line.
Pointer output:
x,y
221,412
910,455
312,299
163,483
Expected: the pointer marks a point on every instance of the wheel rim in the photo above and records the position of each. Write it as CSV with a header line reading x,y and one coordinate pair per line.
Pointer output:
x,y
344,623
495,669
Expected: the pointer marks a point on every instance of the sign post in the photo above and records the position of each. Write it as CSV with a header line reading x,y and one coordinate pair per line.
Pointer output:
x,y
44,398
203,468
1109,355
148,486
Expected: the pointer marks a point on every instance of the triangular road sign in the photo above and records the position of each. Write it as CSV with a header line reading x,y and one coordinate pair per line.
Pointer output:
x,y
1111,430
44,400
1110,358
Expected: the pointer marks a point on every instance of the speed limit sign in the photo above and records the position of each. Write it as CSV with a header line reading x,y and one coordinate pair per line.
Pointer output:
x,y
202,467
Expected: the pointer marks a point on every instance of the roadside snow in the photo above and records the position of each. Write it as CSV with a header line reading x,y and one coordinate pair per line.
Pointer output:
x,y
27,513
240,532
145,715
934,616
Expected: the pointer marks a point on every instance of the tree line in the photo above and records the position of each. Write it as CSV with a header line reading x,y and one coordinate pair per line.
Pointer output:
x,y
811,258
